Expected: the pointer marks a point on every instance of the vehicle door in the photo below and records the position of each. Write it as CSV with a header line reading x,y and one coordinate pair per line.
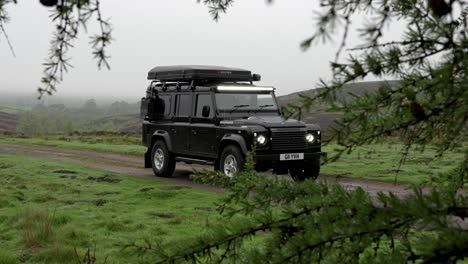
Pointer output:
x,y
162,109
203,131
180,130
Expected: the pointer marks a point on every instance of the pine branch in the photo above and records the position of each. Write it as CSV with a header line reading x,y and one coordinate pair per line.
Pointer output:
x,y
2,29
72,15
376,233
236,236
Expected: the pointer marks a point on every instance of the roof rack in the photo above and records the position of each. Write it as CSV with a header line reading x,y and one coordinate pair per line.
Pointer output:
x,y
165,85
188,73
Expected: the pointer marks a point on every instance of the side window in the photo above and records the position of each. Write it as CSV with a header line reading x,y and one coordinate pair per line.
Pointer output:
x,y
184,104
165,104
203,100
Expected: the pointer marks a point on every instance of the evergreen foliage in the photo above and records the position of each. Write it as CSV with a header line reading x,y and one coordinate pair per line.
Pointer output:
x,y
321,222
430,104
273,220
69,16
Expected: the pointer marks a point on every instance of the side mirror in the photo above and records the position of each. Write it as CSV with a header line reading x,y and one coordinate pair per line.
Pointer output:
x,y
206,111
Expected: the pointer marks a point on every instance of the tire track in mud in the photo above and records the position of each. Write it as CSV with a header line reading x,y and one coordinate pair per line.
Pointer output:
x,y
118,163
133,165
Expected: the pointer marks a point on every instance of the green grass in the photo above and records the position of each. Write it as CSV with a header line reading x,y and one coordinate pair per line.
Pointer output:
x,y
14,110
374,162
48,209
380,162
121,144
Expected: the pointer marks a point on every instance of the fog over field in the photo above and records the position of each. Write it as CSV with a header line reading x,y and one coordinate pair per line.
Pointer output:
x,y
27,99
253,35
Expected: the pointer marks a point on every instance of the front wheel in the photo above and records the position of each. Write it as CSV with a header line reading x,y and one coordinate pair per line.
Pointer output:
x,y
231,161
310,170
162,162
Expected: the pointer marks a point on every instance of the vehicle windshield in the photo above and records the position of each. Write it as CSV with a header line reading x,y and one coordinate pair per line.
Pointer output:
x,y
245,102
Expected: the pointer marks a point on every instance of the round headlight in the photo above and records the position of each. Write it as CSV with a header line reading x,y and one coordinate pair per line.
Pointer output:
x,y
261,139
310,137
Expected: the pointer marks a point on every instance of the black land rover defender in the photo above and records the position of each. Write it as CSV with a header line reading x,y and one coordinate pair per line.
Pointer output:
x,y
214,116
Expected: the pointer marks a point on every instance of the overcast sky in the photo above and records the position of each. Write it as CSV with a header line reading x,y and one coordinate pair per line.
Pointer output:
x,y
253,35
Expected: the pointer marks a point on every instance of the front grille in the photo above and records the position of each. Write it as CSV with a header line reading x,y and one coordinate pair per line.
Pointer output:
x,y
288,138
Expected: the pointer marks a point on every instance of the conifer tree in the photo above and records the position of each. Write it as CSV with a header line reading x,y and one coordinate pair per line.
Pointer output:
x,y
276,221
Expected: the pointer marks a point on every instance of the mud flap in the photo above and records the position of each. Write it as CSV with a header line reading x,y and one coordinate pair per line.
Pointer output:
x,y
148,158
216,165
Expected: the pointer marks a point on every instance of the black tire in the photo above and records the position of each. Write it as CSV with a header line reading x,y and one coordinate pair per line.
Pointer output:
x,y
168,163
231,152
310,170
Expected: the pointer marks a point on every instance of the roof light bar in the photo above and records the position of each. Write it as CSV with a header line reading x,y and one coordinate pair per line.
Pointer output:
x,y
244,89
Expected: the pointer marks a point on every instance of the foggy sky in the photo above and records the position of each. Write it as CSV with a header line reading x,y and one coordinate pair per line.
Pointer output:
x,y
253,35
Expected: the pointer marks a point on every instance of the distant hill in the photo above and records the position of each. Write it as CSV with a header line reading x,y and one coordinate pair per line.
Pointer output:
x,y
127,124
8,122
359,88
318,113
122,117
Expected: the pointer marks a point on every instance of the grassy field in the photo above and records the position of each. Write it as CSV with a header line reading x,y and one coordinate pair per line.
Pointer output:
x,y
13,110
121,144
48,209
381,161
374,162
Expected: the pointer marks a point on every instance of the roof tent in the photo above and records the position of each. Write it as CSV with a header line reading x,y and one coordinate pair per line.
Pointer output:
x,y
199,72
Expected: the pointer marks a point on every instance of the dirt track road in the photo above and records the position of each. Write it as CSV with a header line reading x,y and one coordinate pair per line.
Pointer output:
x,y
133,165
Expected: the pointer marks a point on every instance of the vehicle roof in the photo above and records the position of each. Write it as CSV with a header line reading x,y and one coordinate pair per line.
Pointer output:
x,y
184,88
198,72
215,87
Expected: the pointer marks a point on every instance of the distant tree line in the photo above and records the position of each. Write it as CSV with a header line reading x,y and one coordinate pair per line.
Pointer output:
x,y
59,119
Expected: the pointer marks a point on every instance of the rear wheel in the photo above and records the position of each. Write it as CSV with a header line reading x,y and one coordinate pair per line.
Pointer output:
x,y
231,161
310,170
162,161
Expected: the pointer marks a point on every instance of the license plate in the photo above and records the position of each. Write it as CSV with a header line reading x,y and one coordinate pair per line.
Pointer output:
x,y
292,156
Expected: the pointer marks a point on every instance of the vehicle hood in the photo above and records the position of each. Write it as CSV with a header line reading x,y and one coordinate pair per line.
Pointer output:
x,y
266,121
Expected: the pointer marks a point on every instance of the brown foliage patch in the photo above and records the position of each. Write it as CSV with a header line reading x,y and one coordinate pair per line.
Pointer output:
x,y
174,188
106,178
146,189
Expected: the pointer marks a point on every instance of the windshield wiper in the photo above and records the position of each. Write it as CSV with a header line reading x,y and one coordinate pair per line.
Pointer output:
x,y
238,106
260,107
